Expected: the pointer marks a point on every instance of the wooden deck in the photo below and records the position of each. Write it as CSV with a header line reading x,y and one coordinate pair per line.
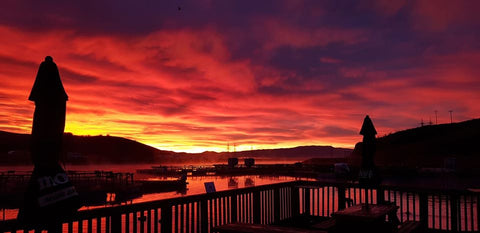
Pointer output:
x,y
455,210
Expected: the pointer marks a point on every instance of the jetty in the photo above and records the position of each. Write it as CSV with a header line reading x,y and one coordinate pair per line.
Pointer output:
x,y
93,186
295,170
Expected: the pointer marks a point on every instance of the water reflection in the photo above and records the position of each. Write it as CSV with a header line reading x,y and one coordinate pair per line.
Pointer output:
x,y
195,186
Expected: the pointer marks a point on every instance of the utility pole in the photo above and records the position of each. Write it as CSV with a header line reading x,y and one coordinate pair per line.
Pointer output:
x,y
451,118
436,119
421,123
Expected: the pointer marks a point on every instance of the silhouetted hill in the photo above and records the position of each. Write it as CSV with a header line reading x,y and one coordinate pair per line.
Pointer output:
x,y
14,149
428,146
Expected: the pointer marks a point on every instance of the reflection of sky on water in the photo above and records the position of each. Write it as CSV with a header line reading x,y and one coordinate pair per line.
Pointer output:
x,y
196,185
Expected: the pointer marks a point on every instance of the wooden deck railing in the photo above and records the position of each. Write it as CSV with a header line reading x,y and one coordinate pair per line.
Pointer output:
x,y
437,210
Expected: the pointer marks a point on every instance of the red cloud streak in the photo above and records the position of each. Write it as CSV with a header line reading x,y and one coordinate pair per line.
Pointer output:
x,y
285,84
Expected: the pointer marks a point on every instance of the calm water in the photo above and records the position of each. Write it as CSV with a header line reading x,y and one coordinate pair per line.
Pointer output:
x,y
195,184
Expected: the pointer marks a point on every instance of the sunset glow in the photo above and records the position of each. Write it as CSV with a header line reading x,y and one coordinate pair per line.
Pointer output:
x,y
265,74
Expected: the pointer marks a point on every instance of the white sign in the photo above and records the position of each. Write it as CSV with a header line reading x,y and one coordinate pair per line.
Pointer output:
x,y
210,187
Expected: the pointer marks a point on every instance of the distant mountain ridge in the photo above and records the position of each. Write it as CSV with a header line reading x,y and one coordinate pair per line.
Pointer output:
x,y
14,149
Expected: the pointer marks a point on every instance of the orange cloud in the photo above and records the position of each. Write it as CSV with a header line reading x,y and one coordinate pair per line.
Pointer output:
x,y
279,79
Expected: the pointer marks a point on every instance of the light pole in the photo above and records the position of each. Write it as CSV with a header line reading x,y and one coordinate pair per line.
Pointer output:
x,y
451,118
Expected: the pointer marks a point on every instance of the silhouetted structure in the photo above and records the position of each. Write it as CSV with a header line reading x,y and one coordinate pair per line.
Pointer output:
x,y
49,118
368,174
50,193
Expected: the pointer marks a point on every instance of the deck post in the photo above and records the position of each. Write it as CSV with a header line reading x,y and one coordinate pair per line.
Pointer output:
x,y
276,205
295,200
116,223
454,211
203,215
166,218
256,207
423,210
341,198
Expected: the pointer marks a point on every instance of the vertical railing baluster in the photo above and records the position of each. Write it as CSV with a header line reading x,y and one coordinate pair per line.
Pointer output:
x,y
328,201
70,227
408,206
316,202
341,198
245,206
108,223
204,216
333,199
211,216
80,226
447,211
306,197
262,208
276,205
433,211
295,200
135,220
155,221
423,205
187,217
380,195
359,195
465,217
454,201
218,210
166,219
89,225
234,208
149,221
182,217
323,200
116,223
127,222
414,197
225,210
440,211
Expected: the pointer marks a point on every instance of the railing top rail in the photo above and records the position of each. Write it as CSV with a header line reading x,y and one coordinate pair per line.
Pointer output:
x,y
107,211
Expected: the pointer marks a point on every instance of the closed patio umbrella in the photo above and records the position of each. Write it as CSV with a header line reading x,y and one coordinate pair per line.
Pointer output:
x,y
50,194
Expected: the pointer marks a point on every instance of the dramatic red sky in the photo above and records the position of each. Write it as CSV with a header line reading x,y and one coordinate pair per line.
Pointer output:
x,y
260,74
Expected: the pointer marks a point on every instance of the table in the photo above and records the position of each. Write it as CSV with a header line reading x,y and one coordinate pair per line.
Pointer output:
x,y
358,218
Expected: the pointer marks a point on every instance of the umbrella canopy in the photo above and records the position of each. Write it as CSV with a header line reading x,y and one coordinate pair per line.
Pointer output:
x,y
48,86
367,127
